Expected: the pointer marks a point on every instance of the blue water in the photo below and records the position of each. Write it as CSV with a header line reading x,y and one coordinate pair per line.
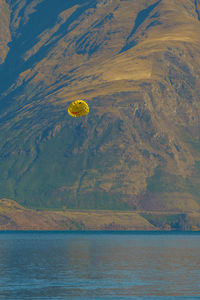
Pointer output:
x,y
61,265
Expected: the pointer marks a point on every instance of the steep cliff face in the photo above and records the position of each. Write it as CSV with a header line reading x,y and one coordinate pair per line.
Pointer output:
x,y
137,64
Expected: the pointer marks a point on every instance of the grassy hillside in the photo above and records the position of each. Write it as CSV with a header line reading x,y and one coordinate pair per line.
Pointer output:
x,y
136,63
15,217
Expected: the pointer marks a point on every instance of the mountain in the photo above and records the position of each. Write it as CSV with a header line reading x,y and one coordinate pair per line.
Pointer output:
x,y
137,65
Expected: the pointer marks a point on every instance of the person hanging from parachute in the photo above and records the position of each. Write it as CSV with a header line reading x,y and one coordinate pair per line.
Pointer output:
x,y
78,109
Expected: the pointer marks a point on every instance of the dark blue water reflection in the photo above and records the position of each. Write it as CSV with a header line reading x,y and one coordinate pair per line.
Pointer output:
x,y
99,266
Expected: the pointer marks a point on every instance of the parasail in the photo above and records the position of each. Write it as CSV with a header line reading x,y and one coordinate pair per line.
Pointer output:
x,y
78,108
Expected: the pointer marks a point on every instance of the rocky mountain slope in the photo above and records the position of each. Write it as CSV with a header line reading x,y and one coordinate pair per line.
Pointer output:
x,y
137,64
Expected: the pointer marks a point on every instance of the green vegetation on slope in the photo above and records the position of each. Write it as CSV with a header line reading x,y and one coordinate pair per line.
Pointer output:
x,y
163,181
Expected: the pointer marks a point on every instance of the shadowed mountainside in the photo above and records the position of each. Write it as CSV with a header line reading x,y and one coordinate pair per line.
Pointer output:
x,y
137,64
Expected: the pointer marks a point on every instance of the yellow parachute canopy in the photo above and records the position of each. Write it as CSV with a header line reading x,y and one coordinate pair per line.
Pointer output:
x,y
78,108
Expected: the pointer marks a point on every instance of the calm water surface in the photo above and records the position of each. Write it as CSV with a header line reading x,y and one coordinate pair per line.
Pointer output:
x,y
56,265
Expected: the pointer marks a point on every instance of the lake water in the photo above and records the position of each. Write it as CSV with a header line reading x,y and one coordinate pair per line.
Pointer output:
x,y
61,265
